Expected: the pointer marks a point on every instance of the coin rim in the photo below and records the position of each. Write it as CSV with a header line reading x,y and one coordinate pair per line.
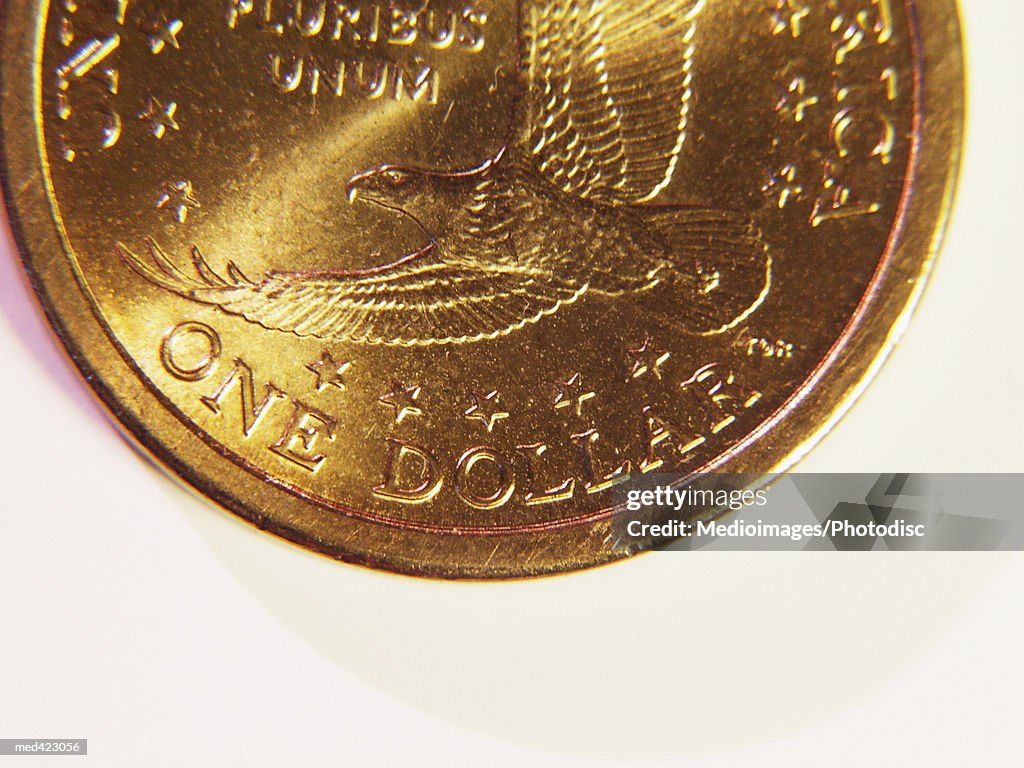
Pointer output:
x,y
780,441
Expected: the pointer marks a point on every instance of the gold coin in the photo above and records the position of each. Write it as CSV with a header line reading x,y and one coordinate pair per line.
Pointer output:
x,y
421,285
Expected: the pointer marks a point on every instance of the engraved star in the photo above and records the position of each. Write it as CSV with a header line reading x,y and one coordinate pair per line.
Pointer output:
x,y
159,117
783,183
647,359
795,100
179,198
163,32
329,372
403,399
789,14
67,32
485,409
571,394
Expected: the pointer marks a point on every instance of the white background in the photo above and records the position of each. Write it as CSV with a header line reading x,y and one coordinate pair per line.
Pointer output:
x,y
168,633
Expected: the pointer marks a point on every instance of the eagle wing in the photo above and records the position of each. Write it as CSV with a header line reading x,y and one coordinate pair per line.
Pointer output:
x,y
418,302
608,92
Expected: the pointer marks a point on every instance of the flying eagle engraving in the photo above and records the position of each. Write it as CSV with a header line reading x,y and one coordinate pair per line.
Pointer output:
x,y
566,207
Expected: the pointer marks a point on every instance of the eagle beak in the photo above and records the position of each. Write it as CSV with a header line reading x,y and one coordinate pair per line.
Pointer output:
x,y
352,192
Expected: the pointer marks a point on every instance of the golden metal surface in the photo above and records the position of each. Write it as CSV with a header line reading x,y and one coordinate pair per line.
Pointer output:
x,y
418,285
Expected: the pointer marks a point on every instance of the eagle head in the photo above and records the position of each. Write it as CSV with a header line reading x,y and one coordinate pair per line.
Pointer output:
x,y
429,197
391,186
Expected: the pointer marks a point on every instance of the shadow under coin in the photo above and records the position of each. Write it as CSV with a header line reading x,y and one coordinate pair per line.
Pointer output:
x,y
669,653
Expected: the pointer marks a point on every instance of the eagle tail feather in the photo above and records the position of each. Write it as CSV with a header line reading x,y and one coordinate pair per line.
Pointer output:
x,y
720,267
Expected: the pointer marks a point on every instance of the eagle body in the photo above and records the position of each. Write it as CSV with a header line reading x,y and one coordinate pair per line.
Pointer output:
x,y
570,204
